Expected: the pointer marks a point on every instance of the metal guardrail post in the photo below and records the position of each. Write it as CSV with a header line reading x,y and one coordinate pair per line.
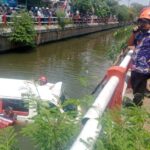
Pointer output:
x,y
4,20
39,21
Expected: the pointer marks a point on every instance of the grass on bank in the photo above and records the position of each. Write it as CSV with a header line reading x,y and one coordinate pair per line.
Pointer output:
x,y
124,130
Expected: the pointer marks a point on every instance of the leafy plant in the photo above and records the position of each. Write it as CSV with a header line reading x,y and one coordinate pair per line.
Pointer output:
x,y
52,129
8,139
124,130
23,30
120,43
101,9
62,21
84,6
86,102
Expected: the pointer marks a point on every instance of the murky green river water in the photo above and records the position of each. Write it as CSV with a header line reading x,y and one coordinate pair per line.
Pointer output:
x,y
70,61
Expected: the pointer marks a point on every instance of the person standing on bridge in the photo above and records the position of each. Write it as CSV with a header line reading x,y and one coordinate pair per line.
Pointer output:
x,y
140,42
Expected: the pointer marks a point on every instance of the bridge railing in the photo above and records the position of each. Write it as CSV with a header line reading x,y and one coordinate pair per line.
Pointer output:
x,y
110,96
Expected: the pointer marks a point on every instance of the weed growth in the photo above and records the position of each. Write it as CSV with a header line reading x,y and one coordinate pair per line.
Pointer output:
x,y
124,130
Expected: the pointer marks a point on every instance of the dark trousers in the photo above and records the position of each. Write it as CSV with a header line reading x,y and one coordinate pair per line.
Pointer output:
x,y
138,84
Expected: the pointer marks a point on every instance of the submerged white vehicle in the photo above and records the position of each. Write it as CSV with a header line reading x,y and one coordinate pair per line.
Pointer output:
x,y
15,94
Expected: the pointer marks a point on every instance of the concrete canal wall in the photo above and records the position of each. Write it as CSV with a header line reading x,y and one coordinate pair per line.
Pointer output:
x,y
47,34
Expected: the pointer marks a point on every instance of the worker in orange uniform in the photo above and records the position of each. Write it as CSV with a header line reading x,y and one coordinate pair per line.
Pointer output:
x,y
139,41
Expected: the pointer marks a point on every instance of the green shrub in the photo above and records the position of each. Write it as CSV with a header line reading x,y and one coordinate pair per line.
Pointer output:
x,y
8,139
52,130
62,21
23,30
120,43
124,130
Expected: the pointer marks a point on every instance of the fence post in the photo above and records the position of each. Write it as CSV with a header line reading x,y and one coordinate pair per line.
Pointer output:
x,y
120,72
39,21
49,21
1,106
4,20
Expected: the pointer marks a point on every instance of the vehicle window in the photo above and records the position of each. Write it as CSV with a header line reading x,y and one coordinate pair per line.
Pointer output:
x,y
17,105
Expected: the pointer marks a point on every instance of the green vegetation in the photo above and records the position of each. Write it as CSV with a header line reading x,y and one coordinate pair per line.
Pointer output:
x,y
62,21
23,30
101,9
124,130
107,8
136,8
123,36
52,129
8,139
97,7
84,6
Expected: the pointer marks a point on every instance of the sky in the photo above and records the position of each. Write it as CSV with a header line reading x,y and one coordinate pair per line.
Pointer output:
x,y
143,2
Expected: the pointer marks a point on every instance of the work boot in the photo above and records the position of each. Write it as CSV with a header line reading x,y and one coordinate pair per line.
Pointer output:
x,y
138,99
127,102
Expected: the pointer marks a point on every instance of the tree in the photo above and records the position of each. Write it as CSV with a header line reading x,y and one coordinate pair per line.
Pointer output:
x,y
112,4
101,8
84,6
123,13
95,7
31,3
137,8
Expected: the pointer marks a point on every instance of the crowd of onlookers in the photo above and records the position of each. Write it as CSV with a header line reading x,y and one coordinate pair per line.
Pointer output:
x,y
33,11
50,11
5,9
41,12
47,12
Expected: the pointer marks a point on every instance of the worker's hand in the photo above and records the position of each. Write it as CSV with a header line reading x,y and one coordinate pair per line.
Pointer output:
x,y
148,85
136,29
131,47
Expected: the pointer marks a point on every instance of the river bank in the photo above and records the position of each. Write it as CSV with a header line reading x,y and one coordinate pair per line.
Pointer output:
x,y
45,34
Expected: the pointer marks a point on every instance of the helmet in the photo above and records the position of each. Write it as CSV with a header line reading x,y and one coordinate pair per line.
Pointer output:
x,y
145,13
42,80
